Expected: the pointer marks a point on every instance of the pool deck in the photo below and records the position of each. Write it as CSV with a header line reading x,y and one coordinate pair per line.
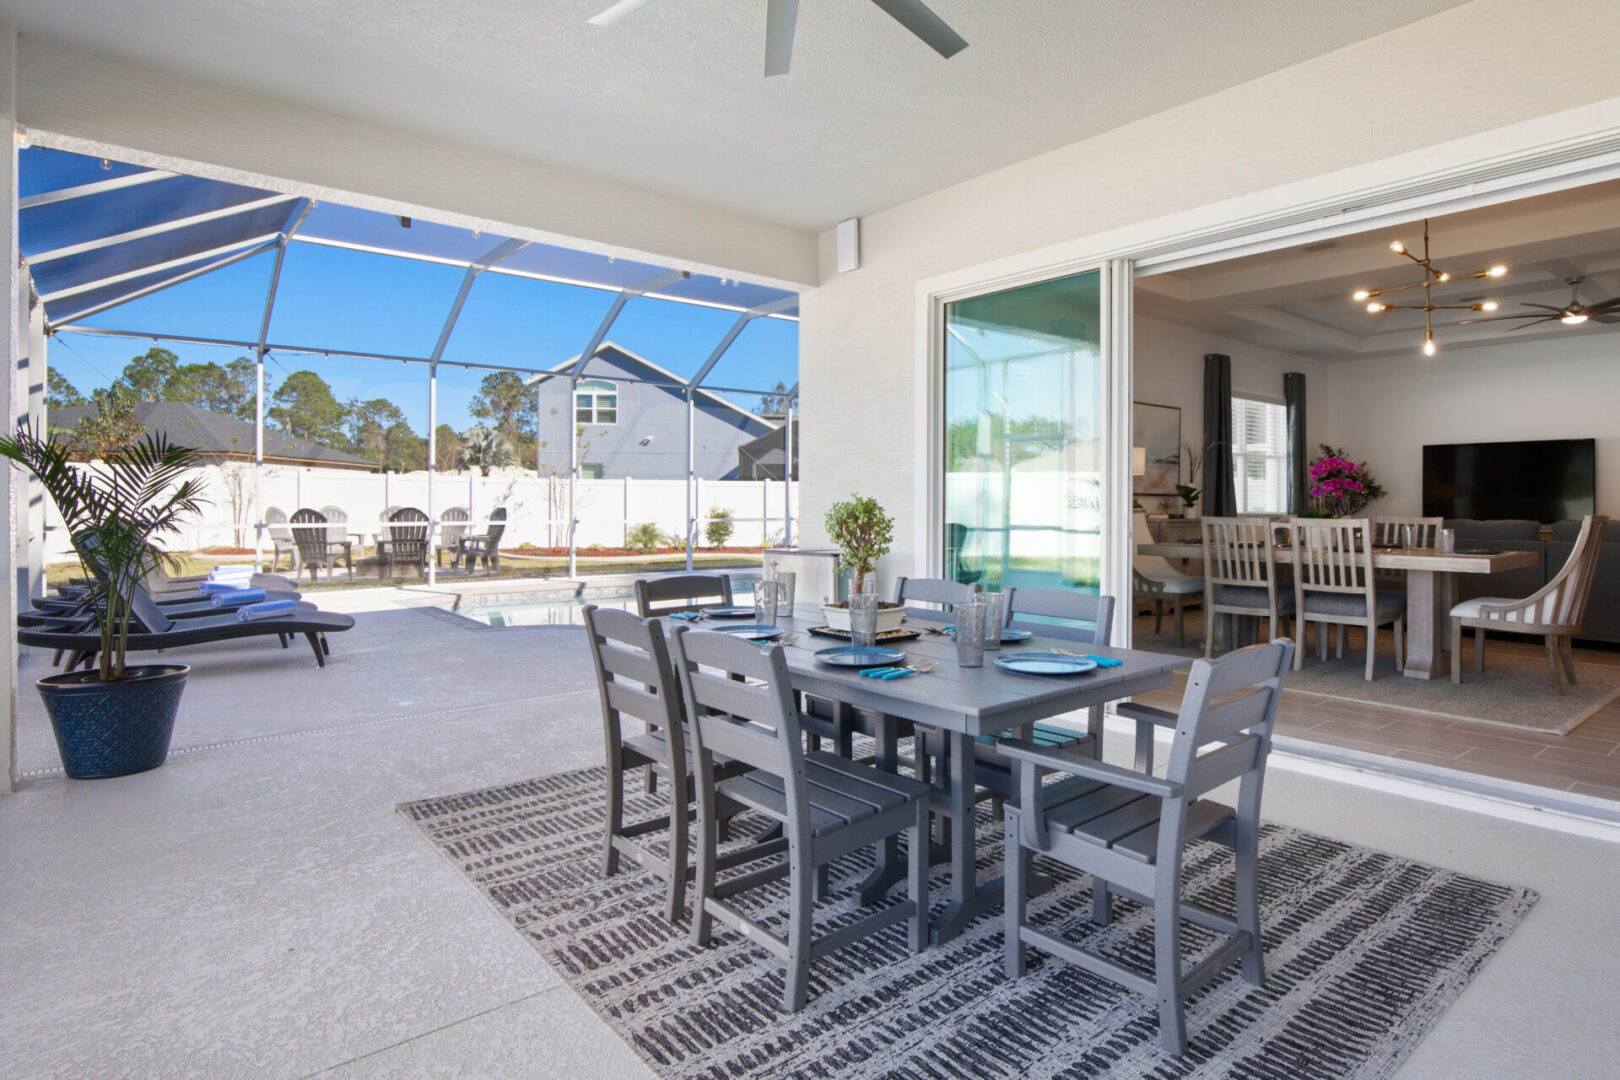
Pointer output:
x,y
255,907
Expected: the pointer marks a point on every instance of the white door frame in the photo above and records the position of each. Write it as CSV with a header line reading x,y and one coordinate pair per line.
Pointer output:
x,y
1565,150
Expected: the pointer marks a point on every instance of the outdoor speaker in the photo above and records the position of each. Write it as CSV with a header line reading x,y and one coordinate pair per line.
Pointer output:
x,y
849,244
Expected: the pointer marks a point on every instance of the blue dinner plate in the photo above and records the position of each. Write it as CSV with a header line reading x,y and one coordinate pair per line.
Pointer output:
x,y
859,656
1046,664
1009,636
730,612
752,630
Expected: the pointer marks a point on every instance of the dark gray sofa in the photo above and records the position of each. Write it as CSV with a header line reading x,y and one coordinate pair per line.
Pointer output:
x,y
1602,622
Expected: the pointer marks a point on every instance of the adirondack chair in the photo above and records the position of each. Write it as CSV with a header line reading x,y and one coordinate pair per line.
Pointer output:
x,y
485,545
407,540
312,533
281,539
452,527
1128,830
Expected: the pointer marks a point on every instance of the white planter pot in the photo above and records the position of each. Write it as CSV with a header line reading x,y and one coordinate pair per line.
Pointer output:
x,y
889,616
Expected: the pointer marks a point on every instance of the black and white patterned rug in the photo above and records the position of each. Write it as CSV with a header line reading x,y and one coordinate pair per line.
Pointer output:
x,y
1364,951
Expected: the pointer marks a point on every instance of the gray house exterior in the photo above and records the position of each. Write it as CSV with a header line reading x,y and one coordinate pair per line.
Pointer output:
x,y
636,428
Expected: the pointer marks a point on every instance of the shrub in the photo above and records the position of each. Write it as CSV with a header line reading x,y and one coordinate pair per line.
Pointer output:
x,y
645,537
720,527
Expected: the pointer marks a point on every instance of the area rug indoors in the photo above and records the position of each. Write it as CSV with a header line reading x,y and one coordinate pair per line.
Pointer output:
x,y
1364,952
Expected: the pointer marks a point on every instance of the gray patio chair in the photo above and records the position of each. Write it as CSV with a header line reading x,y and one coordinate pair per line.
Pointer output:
x,y
337,531
634,679
942,591
1128,830
407,540
281,539
485,545
312,533
681,592
452,527
828,807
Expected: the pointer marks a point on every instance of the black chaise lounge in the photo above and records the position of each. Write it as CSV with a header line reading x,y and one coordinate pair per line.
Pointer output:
x,y
155,630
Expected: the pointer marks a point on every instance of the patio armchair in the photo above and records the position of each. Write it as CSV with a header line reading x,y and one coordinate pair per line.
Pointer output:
x,y
634,679
313,533
681,592
1554,612
485,545
941,591
1334,585
1129,830
739,703
281,539
452,527
406,542
1240,576
337,531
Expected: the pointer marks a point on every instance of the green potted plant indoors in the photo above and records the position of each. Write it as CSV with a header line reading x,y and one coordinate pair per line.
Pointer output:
x,y
115,719
863,533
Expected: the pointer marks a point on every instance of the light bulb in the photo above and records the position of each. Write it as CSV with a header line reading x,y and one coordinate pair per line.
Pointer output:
x,y
1428,347
1489,305
1444,276
1360,294
1496,271
1397,247
1573,319
1374,308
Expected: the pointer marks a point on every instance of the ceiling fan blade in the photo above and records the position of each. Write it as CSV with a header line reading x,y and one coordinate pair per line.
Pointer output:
x,y
916,16
617,12
1543,319
1547,307
1499,318
1606,320
780,18
1604,307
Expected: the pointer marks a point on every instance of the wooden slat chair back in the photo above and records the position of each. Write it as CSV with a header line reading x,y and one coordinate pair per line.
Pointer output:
x,y
485,545
634,679
1128,829
281,538
1554,612
337,531
452,527
739,703
1240,574
938,591
408,535
1391,531
315,550
1335,585
681,592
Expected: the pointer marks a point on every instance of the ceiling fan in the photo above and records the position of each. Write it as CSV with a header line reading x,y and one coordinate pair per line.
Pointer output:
x,y
781,15
1572,314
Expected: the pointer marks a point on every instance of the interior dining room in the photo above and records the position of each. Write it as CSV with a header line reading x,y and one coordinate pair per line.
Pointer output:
x,y
1450,382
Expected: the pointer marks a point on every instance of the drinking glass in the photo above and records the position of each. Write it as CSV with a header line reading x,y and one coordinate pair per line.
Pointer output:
x,y
767,595
994,604
784,582
1448,541
1409,537
863,610
970,634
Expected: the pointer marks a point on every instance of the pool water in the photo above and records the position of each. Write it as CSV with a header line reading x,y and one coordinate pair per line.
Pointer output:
x,y
503,610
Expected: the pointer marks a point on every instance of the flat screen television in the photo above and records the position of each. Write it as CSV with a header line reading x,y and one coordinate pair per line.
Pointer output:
x,y
1546,480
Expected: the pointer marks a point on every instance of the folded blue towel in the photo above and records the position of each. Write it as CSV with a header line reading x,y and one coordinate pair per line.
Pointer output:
x,y
236,597
232,568
270,609
1105,661
209,588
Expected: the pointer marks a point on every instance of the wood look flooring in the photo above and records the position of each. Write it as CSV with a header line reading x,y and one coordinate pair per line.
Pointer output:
x,y
1585,762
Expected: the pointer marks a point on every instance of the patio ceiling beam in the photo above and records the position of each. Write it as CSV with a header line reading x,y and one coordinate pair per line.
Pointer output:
x,y
103,242
737,328
45,198
657,281
505,250
157,268
295,221
264,244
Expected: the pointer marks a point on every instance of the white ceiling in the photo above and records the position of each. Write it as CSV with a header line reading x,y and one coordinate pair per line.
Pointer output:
x,y
673,99
1298,300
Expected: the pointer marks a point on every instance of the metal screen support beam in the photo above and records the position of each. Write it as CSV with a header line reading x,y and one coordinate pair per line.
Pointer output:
x,y
787,470
691,471
101,242
38,381
433,423
495,255
573,477
652,284
737,328
300,212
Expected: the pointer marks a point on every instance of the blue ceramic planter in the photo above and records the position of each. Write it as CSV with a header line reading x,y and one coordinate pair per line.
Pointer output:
x,y
113,729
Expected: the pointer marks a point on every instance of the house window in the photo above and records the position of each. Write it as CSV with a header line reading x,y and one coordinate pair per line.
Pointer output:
x,y
1260,460
590,470
596,401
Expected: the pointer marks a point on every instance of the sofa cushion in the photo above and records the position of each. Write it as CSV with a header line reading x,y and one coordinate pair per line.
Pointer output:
x,y
1570,530
1469,529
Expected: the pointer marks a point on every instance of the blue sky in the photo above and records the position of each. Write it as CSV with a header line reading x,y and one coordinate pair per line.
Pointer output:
x,y
336,298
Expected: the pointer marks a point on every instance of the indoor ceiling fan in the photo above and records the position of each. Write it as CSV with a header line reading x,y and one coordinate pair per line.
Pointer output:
x,y
781,15
1572,314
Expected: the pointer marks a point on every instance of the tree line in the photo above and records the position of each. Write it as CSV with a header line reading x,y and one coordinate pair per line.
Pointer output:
x,y
304,407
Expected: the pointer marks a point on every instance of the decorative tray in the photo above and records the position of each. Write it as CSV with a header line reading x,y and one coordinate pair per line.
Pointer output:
x,y
883,635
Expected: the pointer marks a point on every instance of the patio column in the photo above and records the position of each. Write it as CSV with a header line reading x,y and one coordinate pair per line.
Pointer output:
x,y
787,480
31,392
258,459
432,463
573,464
13,303
691,470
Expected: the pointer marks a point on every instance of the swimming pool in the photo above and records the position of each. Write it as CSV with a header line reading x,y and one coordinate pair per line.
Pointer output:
x,y
558,608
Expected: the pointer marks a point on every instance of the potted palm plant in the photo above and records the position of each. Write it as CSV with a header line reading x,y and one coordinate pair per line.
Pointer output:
x,y
114,719
863,533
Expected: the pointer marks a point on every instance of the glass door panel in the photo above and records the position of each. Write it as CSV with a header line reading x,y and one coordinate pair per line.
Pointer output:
x,y
1023,450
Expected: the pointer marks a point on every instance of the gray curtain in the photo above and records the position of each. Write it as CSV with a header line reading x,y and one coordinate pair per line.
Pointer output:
x,y
1294,396
1220,492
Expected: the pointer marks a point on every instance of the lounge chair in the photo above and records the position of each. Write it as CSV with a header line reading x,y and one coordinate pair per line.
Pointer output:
x,y
153,629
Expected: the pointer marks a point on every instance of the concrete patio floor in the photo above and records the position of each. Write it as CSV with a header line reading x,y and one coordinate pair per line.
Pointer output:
x,y
256,908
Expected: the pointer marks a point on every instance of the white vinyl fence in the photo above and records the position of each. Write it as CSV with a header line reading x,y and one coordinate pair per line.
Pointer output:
x,y
536,507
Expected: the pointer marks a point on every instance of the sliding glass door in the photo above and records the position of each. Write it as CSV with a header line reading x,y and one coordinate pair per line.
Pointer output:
x,y
1023,491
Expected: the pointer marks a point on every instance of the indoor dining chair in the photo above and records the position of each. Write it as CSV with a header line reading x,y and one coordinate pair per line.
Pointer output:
x,y
1240,576
1156,581
1129,830
1334,585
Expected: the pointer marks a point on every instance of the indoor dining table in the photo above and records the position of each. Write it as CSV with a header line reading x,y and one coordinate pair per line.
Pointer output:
x,y
961,704
1428,585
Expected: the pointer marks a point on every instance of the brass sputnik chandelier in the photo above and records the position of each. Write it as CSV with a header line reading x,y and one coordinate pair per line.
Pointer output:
x,y
1431,277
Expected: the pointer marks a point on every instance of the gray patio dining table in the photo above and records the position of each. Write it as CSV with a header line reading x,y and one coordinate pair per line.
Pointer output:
x,y
960,704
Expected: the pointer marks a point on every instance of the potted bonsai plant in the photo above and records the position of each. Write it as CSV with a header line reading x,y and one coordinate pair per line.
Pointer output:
x,y
115,719
863,533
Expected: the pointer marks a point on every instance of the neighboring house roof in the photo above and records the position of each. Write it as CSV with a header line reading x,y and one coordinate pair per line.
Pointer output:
x,y
218,433
661,374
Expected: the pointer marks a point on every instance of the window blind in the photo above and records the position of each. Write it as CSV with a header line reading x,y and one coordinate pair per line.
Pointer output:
x,y
1260,457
